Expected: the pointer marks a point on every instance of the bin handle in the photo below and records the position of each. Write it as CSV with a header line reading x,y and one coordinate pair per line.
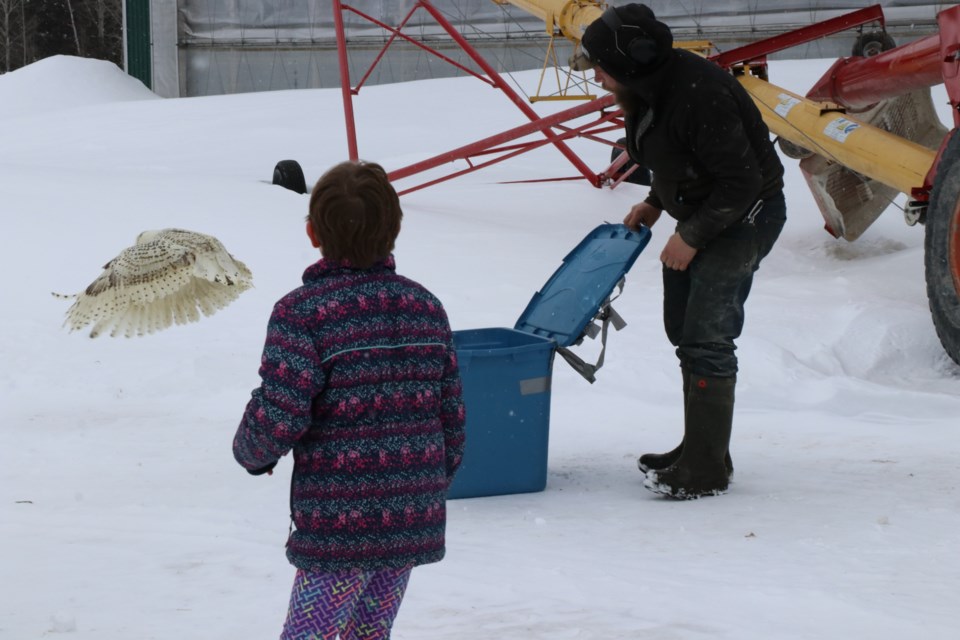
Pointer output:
x,y
607,316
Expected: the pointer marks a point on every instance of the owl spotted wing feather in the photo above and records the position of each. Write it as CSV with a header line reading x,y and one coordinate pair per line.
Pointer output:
x,y
168,277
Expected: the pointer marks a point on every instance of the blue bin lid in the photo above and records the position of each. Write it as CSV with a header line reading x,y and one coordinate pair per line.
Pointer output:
x,y
572,296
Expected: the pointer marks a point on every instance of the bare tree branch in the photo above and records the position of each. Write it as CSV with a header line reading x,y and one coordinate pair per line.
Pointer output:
x,y
73,24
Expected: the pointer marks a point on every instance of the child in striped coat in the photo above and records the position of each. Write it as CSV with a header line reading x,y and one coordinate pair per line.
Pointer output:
x,y
360,380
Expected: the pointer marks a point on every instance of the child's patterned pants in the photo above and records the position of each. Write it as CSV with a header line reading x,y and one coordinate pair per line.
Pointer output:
x,y
359,605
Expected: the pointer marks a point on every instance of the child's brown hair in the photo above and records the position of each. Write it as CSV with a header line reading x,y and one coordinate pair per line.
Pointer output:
x,y
355,213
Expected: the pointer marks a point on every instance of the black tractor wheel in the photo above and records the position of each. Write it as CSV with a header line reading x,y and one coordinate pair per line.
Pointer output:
x,y
942,250
641,176
289,175
870,43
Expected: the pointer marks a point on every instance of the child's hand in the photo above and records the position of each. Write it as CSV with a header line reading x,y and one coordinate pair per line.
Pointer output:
x,y
263,470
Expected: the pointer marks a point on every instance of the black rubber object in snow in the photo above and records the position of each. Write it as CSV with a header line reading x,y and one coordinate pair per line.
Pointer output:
x,y
870,43
289,175
641,176
942,249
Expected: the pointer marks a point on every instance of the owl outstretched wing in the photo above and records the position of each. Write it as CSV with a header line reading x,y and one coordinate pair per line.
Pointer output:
x,y
168,277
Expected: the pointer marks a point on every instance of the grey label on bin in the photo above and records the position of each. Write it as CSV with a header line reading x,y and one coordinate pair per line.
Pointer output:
x,y
531,386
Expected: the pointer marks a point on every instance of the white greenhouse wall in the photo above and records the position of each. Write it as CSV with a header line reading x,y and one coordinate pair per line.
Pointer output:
x,y
204,47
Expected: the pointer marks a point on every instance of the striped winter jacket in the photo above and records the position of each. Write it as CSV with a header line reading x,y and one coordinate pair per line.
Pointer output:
x,y
359,379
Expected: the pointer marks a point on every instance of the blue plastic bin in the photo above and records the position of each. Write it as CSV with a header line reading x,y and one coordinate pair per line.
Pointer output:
x,y
506,390
506,373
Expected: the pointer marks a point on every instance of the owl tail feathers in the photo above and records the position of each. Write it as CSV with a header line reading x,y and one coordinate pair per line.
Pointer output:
x,y
72,320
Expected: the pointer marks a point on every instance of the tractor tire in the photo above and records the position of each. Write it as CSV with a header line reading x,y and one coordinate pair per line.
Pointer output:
x,y
870,43
641,176
289,175
942,250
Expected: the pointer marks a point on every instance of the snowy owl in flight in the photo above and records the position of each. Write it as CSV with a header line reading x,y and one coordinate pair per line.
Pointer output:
x,y
168,276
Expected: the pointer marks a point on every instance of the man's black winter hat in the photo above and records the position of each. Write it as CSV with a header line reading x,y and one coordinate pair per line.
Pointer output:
x,y
626,42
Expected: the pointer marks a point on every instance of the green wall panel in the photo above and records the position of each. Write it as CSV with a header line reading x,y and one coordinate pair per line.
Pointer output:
x,y
138,41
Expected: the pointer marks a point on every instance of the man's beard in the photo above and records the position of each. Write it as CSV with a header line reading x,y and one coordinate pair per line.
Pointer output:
x,y
629,101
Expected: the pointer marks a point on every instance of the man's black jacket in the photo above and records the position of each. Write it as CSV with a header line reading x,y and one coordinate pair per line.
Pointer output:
x,y
706,144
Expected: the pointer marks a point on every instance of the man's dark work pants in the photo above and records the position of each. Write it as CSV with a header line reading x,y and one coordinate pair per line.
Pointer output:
x,y
703,306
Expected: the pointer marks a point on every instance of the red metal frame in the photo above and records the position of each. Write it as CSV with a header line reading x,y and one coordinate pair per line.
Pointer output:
x,y
608,121
345,81
762,48
396,32
852,82
858,83
949,23
483,147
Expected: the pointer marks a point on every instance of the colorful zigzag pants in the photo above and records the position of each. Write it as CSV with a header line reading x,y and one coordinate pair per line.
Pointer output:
x,y
357,605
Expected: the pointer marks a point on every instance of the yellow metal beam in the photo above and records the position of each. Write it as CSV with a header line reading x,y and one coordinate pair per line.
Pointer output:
x,y
570,17
825,130
821,128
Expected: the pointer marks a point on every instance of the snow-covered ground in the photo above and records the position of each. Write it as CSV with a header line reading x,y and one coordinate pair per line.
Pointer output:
x,y
123,514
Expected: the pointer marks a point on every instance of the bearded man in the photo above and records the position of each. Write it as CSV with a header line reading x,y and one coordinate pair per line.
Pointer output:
x,y
716,172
